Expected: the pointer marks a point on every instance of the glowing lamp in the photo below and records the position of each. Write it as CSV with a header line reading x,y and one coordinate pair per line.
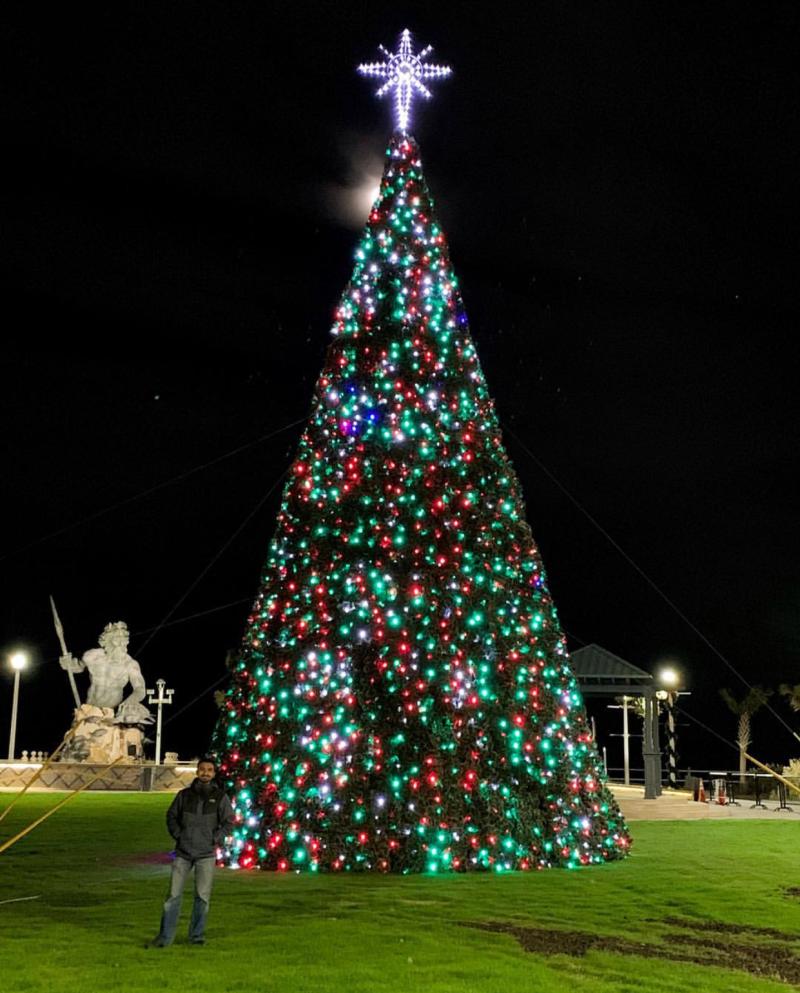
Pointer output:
x,y
19,661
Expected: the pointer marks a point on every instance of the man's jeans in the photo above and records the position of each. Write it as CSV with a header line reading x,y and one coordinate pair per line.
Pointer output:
x,y
203,880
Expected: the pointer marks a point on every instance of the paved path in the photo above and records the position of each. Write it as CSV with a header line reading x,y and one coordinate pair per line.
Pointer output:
x,y
678,806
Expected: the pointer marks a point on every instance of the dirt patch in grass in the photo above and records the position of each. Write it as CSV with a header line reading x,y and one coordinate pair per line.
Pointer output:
x,y
792,891
772,956
719,927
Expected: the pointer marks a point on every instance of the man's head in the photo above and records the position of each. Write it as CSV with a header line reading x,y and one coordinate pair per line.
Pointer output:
x,y
206,769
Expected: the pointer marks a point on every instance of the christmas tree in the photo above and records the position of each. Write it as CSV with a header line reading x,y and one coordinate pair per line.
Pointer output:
x,y
403,699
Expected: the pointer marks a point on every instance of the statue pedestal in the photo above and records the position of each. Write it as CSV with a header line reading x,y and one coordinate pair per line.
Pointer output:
x,y
97,739
122,778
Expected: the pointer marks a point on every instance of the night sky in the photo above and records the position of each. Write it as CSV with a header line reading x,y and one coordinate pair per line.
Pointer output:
x,y
616,182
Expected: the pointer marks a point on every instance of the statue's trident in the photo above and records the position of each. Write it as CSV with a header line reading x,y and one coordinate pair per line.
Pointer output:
x,y
60,633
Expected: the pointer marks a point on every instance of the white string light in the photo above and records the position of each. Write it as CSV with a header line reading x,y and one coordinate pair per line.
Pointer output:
x,y
404,72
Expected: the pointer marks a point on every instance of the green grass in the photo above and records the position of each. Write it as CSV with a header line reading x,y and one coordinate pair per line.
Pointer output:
x,y
94,869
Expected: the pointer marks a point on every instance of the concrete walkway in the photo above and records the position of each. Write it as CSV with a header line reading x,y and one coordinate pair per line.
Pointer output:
x,y
679,806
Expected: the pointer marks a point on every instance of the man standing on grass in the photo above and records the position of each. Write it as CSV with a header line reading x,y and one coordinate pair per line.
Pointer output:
x,y
198,819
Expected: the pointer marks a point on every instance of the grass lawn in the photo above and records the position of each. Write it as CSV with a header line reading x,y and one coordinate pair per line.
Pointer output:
x,y
701,906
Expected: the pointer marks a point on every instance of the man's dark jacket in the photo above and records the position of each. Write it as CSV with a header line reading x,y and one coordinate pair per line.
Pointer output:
x,y
198,819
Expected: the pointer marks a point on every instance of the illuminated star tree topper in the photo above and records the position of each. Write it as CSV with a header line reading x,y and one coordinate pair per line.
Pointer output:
x,y
404,72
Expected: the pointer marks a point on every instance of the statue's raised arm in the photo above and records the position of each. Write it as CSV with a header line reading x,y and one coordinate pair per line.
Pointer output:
x,y
71,664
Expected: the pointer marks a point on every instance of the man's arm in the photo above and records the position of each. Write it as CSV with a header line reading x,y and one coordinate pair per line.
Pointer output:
x,y
174,816
225,819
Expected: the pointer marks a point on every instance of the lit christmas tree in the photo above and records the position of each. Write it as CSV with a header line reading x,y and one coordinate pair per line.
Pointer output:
x,y
403,699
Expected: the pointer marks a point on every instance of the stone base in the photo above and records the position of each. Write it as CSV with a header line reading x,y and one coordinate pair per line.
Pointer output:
x,y
73,775
95,738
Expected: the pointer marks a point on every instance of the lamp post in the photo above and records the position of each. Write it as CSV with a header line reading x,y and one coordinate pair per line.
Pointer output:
x,y
164,696
626,748
669,678
18,662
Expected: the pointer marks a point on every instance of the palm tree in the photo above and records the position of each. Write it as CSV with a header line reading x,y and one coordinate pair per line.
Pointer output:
x,y
745,708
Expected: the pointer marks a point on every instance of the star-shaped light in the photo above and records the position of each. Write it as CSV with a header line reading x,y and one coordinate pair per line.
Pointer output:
x,y
404,72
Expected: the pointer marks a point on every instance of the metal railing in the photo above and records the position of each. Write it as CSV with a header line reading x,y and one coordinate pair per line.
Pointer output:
x,y
726,786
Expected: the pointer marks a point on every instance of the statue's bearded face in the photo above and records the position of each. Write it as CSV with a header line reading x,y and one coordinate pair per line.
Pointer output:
x,y
115,640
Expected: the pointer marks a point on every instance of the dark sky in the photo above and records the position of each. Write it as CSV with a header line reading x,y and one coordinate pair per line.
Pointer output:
x,y
617,183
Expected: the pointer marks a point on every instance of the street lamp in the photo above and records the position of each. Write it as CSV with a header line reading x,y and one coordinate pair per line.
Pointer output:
x,y
19,661
670,679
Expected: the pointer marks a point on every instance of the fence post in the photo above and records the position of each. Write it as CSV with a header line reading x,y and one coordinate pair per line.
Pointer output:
x,y
757,792
782,794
